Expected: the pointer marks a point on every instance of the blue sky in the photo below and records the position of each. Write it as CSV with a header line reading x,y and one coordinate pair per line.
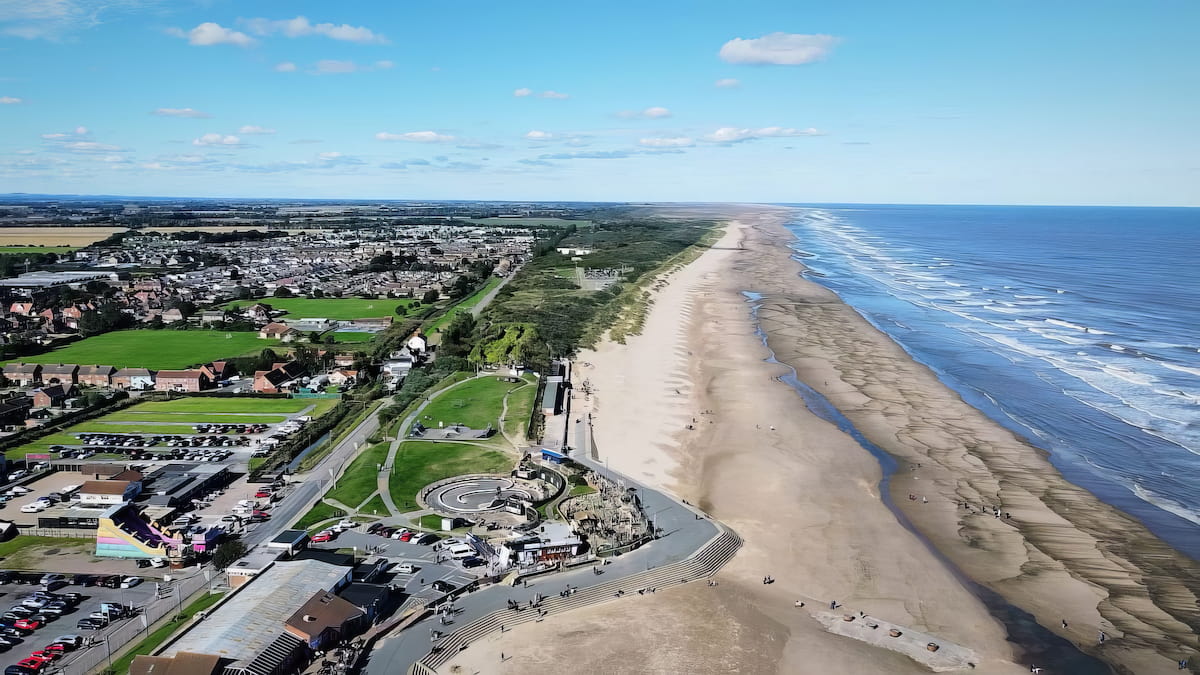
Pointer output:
x,y
930,102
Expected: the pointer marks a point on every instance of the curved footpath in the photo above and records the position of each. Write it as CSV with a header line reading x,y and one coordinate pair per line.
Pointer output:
x,y
692,547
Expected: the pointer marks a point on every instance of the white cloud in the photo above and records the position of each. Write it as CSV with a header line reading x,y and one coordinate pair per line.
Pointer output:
x,y
208,34
91,146
384,65
523,91
736,135
652,113
783,49
180,112
217,139
537,135
285,67
673,142
553,94
302,27
329,155
10,100
251,129
727,83
53,137
81,130
416,137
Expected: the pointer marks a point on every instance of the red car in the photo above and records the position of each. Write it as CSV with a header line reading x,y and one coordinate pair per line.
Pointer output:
x,y
317,538
406,536
33,663
28,624
262,494
46,655
55,648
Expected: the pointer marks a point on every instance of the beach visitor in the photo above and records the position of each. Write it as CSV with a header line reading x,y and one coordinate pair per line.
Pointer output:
x,y
833,604
1064,621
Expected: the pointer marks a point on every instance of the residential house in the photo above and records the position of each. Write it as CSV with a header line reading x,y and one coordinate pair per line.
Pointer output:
x,y
182,380
22,308
14,410
172,316
60,373
221,370
212,316
24,374
258,312
279,378
343,360
96,376
342,377
136,379
398,363
278,331
52,396
372,325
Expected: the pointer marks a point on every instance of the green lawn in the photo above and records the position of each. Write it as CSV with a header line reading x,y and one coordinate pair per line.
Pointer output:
x,y
154,349
419,463
475,403
160,634
342,309
142,415
15,250
319,512
466,304
205,404
375,507
361,477
352,337
520,407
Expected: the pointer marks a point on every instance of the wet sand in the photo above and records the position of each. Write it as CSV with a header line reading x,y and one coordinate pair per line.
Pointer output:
x,y
804,496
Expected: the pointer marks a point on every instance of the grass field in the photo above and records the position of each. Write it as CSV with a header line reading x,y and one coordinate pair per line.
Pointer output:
x,y
533,222
154,349
140,415
465,305
205,404
475,403
520,407
352,337
375,507
17,250
27,552
342,309
361,477
419,463
319,512
130,428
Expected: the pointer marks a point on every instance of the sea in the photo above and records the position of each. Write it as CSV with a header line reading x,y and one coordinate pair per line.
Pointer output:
x,y
1076,327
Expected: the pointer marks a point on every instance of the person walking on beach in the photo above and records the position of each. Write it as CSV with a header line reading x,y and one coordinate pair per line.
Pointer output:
x,y
1064,621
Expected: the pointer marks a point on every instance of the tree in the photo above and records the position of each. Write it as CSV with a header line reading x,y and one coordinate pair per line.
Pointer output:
x,y
314,337
228,552
431,296
283,292
318,293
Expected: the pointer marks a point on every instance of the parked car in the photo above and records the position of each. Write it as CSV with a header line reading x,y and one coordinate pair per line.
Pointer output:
x,y
407,536
406,568
48,579
18,474
130,582
91,623
111,581
27,624
473,562
33,507
326,535
374,527
70,639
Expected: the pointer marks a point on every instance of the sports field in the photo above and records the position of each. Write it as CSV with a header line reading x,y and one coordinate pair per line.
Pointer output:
x,y
338,309
207,404
352,337
154,349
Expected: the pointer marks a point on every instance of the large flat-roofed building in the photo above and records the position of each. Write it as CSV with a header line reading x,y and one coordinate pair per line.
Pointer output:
x,y
249,631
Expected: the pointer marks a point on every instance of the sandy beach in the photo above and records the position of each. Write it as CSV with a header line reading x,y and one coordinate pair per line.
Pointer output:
x,y
804,496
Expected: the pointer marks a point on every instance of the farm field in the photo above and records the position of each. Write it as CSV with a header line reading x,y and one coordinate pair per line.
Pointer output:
x,y
55,236
532,222
475,403
192,417
15,250
339,309
466,304
419,463
154,349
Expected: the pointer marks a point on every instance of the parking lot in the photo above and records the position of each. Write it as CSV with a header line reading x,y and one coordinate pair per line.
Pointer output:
x,y
12,594
423,558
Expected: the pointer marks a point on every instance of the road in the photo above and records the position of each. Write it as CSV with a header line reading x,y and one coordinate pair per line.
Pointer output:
x,y
316,482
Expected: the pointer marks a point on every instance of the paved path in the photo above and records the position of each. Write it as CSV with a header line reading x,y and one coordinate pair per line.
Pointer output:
x,y
491,295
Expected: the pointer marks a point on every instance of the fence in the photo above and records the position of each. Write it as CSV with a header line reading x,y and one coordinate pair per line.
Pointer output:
x,y
131,631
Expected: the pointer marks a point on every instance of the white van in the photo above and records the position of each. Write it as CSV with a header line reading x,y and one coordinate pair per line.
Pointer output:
x,y
460,551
